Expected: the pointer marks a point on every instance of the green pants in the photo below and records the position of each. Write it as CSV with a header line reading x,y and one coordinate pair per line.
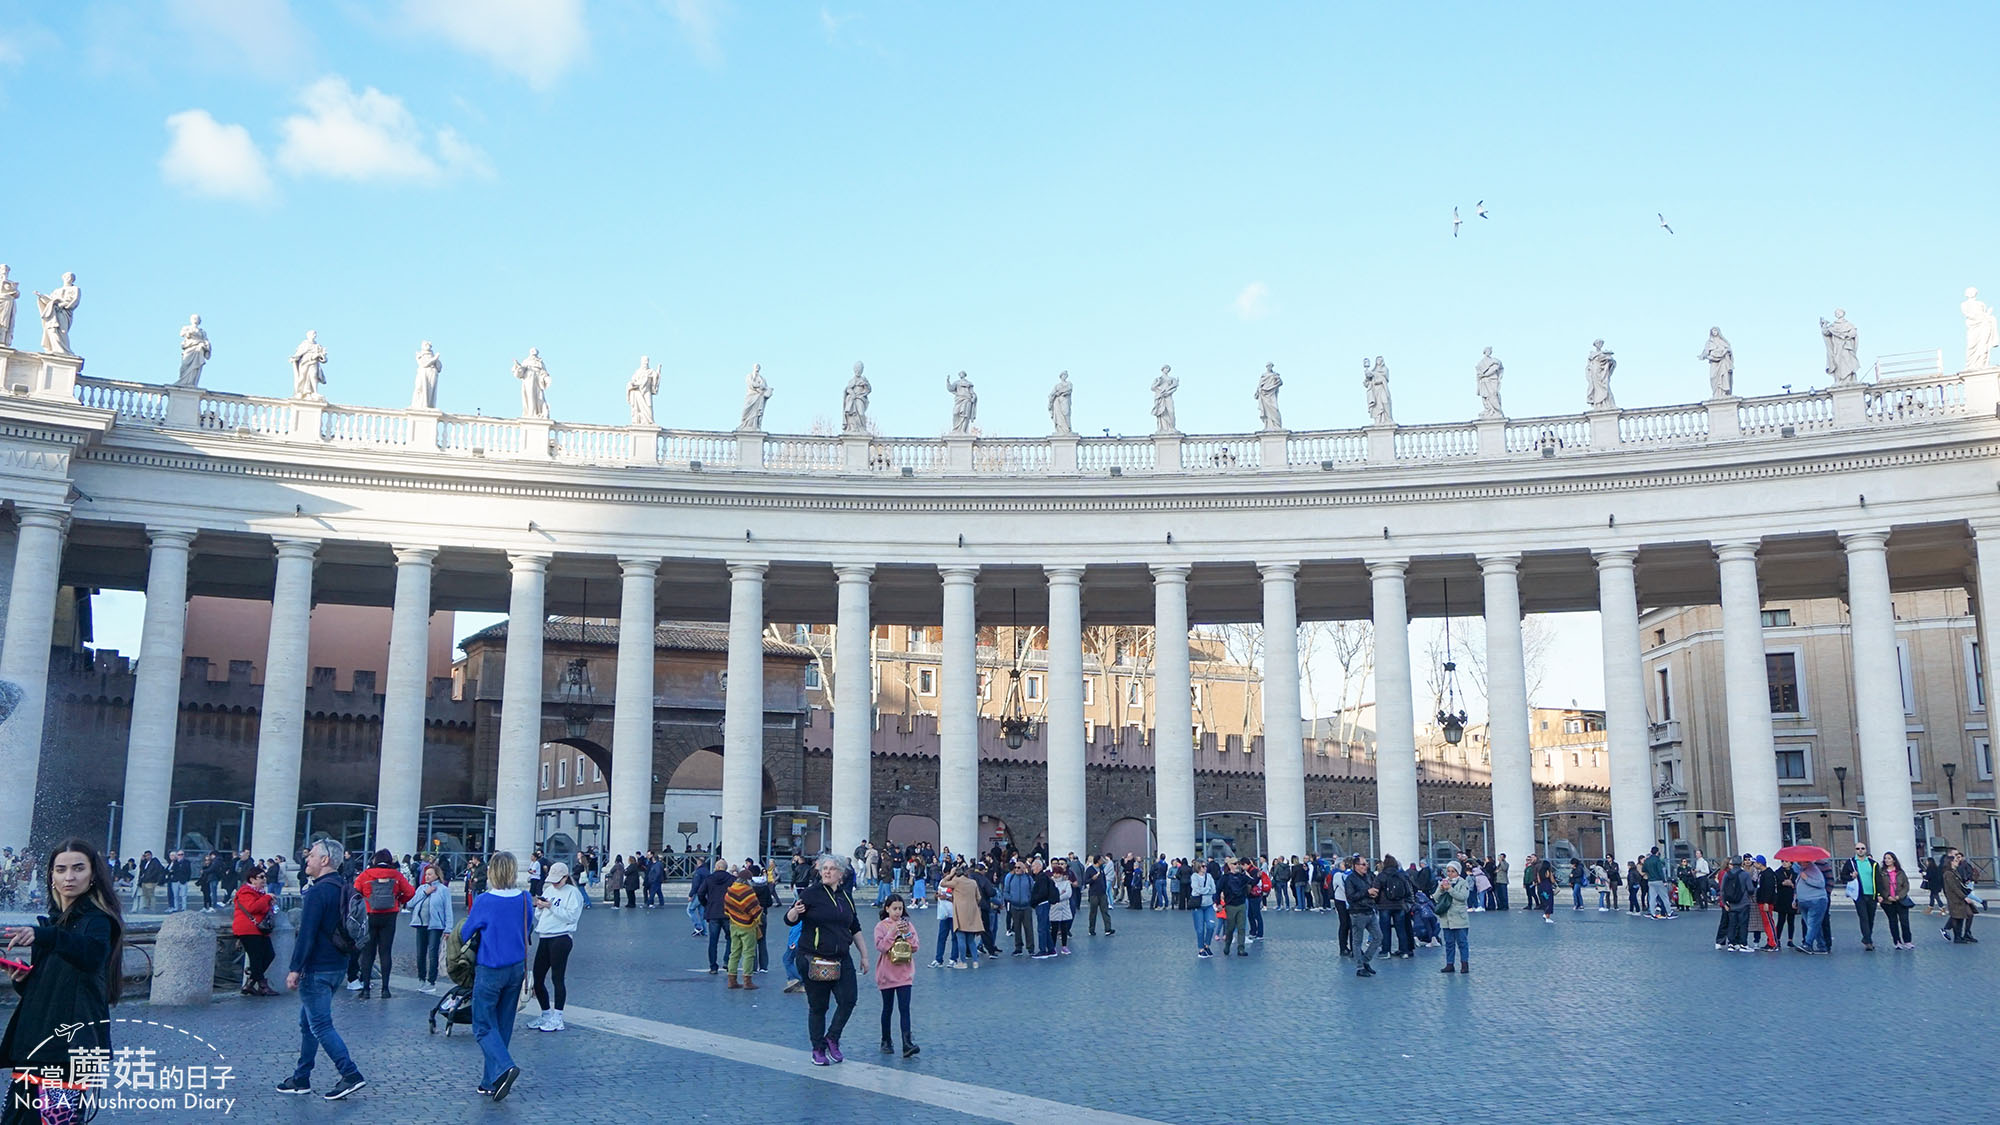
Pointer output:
x,y
742,948
1233,927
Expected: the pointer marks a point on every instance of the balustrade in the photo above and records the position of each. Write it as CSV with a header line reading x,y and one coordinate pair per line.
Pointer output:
x,y
351,425
243,414
1415,443
1531,435
131,402
1801,412
1097,455
1665,424
1221,453
1327,445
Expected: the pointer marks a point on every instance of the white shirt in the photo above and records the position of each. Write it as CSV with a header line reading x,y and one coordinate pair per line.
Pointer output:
x,y
565,907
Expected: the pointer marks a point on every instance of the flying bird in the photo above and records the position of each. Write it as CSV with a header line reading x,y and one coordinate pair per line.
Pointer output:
x,y
1455,221
1663,223
1479,209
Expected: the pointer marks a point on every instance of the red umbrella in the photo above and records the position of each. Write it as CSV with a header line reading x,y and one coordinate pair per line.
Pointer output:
x,y
1801,853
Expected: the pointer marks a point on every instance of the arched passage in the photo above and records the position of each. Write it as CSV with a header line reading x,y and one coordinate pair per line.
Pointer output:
x,y
912,828
1126,836
692,803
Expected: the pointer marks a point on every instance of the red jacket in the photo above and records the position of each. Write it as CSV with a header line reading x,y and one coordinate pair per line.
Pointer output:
x,y
404,891
252,905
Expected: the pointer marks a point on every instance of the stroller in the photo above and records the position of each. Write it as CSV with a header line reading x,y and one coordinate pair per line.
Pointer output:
x,y
1424,920
460,963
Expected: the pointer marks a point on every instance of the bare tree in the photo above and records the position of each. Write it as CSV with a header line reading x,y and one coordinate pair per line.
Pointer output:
x,y
1243,647
1468,647
1350,647
820,639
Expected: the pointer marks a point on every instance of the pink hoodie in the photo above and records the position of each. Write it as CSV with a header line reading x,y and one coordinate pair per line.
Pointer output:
x,y
888,974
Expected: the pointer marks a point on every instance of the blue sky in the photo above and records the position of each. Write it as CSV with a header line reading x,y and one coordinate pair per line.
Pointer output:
x,y
1008,190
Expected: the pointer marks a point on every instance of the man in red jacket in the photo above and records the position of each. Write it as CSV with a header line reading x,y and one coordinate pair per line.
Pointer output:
x,y
384,890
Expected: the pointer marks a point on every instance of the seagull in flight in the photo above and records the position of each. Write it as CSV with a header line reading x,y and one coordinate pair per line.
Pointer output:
x,y
1455,222
1479,209
1663,223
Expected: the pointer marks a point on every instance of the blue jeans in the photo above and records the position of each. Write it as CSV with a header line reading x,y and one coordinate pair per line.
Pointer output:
x,y
429,942
1047,943
947,948
965,945
1366,933
791,952
1455,940
316,1031
1299,894
1814,912
1257,918
1204,926
716,926
1159,894
495,993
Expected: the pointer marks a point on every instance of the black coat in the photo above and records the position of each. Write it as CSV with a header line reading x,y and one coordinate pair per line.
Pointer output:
x,y
68,986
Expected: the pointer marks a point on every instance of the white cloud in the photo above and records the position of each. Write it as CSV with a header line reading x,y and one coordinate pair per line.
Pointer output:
x,y
369,136
701,22
261,36
1254,303
536,39
206,157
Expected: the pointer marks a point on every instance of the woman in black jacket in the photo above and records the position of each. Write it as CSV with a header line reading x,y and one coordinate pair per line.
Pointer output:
x,y
828,929
76,951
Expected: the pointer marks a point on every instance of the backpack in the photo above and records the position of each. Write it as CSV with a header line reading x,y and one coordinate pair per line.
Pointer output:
x,y
348,936
900,952
381,895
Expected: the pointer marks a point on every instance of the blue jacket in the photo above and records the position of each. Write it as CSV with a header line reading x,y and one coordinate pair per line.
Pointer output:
x,y
1019,889
323,908
501,920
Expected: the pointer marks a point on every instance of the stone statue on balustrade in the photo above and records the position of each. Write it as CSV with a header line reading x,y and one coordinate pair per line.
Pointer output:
x,y
534,377
1721,365
1982,332
308,369
854,403
1267,398
1842,348
10,292
756,392
1488,374
195,351
640,389
964,404
58,310
1059,405
424,396
1163,401
1597,371
1375,380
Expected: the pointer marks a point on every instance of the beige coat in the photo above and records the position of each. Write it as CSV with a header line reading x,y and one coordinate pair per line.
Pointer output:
x,y
965,905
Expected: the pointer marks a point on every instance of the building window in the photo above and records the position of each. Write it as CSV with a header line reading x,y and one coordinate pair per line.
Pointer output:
x,y
1576,758
1194,695
1572,726
1089,731
579,769
1975,676
1134,693
545,775
986,687
1089,691
1032,686
1795,832
562,774
1911,751
812,675
1777,618
1982,758
1121,653
1595,761
926,681
1792,765
596,772
1666,694
1782,670
1908,680
1548,759
1659,636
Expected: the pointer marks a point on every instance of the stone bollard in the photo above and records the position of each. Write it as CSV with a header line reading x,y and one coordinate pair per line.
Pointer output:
x,y
184,958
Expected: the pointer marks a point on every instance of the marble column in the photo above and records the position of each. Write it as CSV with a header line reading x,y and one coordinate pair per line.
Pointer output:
x,y
516,787
156,697
1633,831
853,709
743,716
632,710
1878,697
281,717
1753,754
1284,731
1395,713
1507,711
24,658
399,790
958,716
1986,593
1173,715
1068,828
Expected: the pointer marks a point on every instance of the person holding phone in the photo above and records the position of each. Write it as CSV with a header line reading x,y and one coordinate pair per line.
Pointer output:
x,y
895,970
70,979
557,910
830,930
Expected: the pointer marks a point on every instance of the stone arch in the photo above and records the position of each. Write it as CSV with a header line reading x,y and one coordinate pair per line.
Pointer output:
x,y
690,789
994,830
599,754
912,828
1126,834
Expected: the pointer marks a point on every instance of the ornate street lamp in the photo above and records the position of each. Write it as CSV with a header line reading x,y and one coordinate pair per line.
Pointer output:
x,y
1840,775
1951,782
579,701
1015,723
1451,721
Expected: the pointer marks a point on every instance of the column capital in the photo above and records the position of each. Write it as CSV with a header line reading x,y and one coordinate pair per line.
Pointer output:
x,y
40,515
1278,570
1986,530
1870,539
1064,575
529,562
862,573
742,571
959,573
416,556
1737,550
1499,564
1388,568
1171,574
638,566
1616,558
172,538
290,548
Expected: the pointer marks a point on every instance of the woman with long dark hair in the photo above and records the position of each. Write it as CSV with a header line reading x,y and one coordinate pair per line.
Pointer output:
x,y
74,952
1892,889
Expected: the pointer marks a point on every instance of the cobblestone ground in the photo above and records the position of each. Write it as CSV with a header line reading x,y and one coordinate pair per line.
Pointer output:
x,y
1599,1014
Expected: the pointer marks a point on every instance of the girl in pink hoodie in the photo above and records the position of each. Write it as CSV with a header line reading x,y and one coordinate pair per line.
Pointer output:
x,y
895,969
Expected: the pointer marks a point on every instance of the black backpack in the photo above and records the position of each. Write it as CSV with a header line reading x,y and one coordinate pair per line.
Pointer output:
x,y
352,930
381,895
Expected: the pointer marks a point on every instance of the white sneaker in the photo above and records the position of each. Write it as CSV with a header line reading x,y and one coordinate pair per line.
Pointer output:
x,y
551,1021
354,986
430,989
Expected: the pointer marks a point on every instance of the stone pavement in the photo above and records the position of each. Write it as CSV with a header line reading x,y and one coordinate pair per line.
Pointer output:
x,y
1599,1014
